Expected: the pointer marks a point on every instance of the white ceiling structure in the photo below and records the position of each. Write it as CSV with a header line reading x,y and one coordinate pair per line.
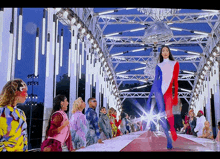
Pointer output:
x,y
123,35
195,33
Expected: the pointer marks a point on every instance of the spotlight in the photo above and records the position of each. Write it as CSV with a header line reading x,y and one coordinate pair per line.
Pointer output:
x,y
83,30
209,63
206,68
91,40
211,58
65,14
88,36
214,53
95,45
78,25
202,76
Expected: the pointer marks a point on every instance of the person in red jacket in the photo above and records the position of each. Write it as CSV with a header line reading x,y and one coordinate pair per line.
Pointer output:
x,y
117,123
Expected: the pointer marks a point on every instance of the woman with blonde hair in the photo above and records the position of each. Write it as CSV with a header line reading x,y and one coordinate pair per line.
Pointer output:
x,y
78,124
13,126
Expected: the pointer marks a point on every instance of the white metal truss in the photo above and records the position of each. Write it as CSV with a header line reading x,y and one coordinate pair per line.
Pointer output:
x,y
145,59
146,94
201,17
138,77
177,39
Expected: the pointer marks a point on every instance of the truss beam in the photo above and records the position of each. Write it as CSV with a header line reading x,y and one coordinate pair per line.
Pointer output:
x,y
145,59
146,95
137,77
201,17
177,39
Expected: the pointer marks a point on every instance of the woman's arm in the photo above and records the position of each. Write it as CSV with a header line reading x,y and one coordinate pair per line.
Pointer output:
x,y
176,74
56,126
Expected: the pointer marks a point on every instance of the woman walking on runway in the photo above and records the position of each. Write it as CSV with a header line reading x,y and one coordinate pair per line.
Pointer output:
x,y
166,74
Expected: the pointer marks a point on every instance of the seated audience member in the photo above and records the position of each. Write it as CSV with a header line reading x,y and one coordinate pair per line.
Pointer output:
x,y
207,132
104,125
200,120
186,128
218,135
192,122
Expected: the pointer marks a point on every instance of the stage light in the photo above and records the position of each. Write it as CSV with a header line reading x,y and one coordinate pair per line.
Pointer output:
x,y
78,25
202,76
36,52
141,68
177,29
141,86
138,29
112,34
106,12
189,72
91,41
214,53
88,36
206,68
120,53
194,53
47,55
211,58
209,63
58,9
19,34
65,14
185,90
95,45
83,30
136,50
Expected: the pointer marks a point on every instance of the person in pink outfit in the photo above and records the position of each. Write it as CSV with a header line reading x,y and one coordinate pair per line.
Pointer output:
x,y
58,131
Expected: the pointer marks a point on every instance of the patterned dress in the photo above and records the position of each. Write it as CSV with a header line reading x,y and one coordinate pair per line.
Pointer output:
x,y
114,127
78,129
13,129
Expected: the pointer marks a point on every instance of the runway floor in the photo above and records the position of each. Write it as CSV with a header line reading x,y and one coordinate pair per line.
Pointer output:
x,y
143,141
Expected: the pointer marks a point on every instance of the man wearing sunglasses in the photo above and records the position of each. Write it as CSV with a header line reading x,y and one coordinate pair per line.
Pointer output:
x,y
93,135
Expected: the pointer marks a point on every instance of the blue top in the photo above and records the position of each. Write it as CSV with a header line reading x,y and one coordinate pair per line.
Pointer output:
x,y
92,119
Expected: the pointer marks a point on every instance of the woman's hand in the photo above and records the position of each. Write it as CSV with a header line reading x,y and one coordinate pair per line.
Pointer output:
x,y
65,123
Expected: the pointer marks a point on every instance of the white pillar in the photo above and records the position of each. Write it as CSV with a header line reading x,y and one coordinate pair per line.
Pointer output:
x,y
73,68
216,98
97,93
87,85
7,17
14,50
49,78
208,104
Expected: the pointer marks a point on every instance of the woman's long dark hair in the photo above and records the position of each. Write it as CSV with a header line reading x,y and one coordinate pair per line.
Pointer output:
x,y
56,107
161,57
